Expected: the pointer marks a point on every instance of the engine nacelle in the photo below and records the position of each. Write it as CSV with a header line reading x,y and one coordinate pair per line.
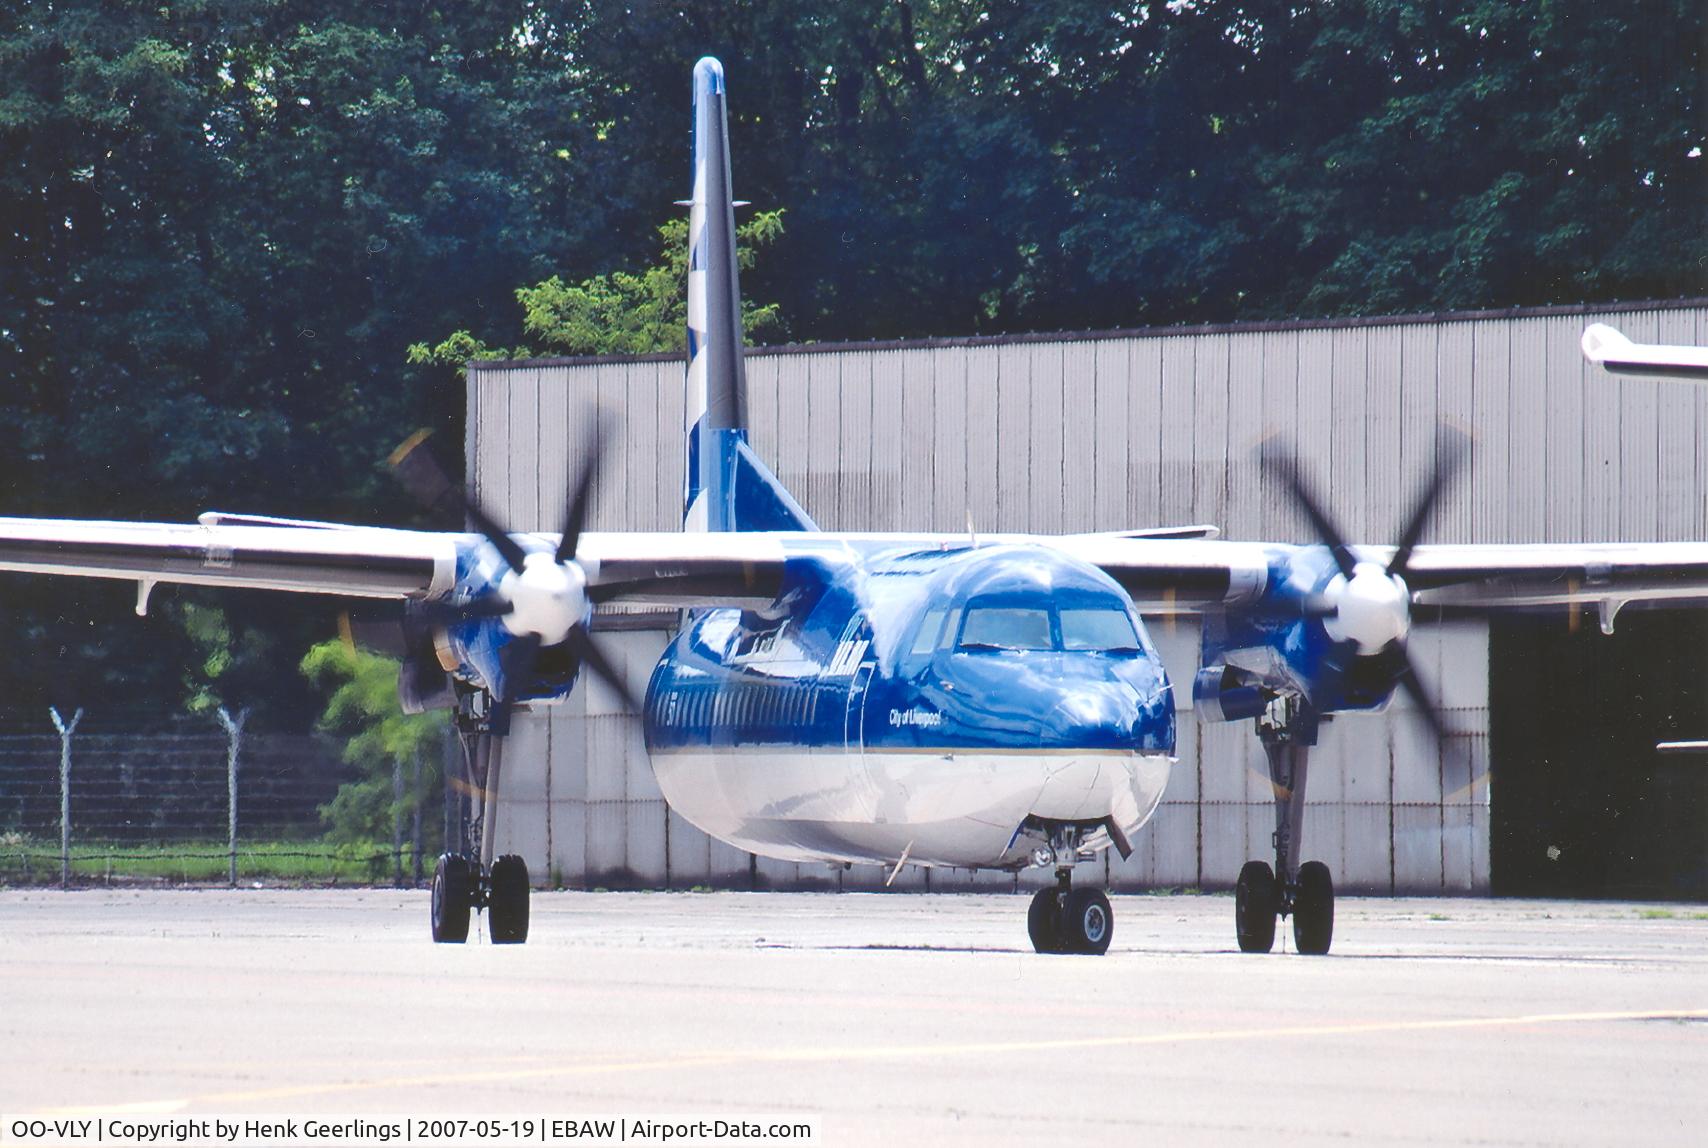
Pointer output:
x,y
423,686
1219,693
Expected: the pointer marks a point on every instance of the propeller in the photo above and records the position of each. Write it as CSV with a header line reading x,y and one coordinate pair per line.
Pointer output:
x,y
1366,606
542,598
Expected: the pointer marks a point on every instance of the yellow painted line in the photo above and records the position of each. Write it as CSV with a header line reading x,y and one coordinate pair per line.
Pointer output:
x,y
885,1052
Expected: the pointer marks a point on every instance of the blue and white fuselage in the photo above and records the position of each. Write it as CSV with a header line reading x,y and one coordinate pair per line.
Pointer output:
x,y
932,705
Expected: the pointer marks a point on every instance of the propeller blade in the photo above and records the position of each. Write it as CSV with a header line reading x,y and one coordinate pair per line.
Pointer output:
x,y
508,548
575,513
591,656
1335,669
419,472
1450,455
441,613
1414,688
1311,606
379,634
517,661
1282,465
421,475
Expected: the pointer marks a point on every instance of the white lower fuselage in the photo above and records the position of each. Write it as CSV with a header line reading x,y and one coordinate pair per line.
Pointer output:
x,y
952,808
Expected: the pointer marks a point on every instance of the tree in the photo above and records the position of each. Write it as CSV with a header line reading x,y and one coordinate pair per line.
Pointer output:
x,y
222,225
379,737
622,313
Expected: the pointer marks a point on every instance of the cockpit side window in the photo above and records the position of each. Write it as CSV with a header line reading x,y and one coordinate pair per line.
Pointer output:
x,y
951,628
1006,628
1105,628
926,639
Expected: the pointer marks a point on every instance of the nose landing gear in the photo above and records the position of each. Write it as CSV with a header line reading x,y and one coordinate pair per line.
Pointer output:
x,y
1062,919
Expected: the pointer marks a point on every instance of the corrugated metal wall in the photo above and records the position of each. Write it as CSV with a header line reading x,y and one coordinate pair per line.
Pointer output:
x,y
1103,433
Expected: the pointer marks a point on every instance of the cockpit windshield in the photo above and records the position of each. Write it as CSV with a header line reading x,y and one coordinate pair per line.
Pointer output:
x,y
1007,628
1097,628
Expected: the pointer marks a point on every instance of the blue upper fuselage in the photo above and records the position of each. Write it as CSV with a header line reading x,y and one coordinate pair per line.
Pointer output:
x,y
994,648
867,644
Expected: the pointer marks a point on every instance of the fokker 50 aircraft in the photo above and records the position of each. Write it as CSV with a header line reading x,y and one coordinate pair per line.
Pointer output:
x,y
885,698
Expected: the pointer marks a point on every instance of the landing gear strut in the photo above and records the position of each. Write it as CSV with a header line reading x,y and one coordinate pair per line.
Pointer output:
x,y
1288,730
477,880
1062,919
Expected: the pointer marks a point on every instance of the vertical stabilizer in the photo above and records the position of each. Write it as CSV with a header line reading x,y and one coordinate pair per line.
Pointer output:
x,y
728,488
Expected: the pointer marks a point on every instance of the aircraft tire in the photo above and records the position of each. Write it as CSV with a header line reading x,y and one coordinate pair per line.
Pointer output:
x,y
1313,909
1255,904
453,886
1041,921
507,905
1088,922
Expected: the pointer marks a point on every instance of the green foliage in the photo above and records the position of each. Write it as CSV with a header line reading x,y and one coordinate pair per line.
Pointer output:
x,y
23,862
234,663
457,348
378,735
620,313
222,225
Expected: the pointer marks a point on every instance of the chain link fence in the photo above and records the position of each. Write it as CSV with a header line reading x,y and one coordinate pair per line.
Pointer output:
x,y
109,797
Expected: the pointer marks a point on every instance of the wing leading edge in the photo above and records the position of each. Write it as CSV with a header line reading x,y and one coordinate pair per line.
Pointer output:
x,y
366,562
1165,576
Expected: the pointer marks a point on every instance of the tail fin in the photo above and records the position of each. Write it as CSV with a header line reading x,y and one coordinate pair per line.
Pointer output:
x,y
728,488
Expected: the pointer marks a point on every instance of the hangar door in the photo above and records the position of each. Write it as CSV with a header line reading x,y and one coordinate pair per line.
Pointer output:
x,y
1580,802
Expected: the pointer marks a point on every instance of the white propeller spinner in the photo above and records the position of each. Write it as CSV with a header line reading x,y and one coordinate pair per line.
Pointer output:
x,y
1372,607
548,598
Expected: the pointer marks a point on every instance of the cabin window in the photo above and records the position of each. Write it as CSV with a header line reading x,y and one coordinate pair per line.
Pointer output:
x,y
926,640
1098,628
1006,628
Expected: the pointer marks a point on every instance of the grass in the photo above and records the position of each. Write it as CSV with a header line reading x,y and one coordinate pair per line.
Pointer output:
x,y
1656,914
202,862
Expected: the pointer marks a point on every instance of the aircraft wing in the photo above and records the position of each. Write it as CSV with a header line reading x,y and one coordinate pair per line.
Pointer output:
x,y
1188,575
357,561
666,569
1164,572
1611,349
1495,577
1193,577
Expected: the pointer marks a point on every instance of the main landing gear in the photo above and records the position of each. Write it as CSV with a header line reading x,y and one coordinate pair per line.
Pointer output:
x,y
1288,729
1063,919
463,882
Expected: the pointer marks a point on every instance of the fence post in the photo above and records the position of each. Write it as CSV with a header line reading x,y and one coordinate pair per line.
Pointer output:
x,y
415,789
397,821
66,729
233,740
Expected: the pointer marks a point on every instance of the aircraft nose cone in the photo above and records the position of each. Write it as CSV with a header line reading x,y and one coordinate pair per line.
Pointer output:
x,y
1103,715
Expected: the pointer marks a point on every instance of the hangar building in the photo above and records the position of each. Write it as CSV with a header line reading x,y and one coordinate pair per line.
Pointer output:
x,y
1549,783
